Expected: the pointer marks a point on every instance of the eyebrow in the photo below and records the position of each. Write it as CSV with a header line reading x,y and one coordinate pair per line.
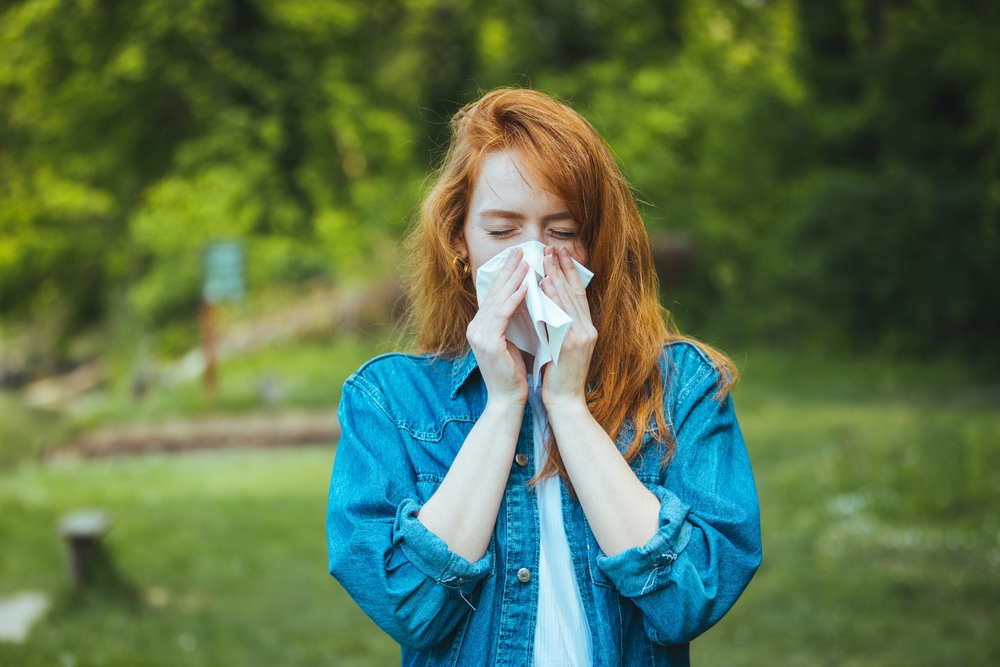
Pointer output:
x,y
514,215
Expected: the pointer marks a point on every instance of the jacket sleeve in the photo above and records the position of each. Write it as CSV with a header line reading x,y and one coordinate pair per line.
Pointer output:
x,y
402,575
708,546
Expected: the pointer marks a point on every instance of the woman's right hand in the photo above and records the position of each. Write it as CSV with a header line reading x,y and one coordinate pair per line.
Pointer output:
x,y
500,361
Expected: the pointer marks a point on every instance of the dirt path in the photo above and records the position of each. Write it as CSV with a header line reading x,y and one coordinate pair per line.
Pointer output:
x,y
247,430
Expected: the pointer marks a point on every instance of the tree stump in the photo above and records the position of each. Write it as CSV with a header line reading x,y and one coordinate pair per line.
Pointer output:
x,y
82,530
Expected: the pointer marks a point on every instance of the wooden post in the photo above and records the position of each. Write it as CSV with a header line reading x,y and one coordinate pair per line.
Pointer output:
x,y
208,348
82,530
222,280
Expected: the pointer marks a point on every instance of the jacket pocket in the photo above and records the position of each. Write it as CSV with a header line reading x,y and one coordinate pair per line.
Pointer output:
x,y
427,485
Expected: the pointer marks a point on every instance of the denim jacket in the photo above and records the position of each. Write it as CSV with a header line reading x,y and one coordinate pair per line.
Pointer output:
x,y
404,419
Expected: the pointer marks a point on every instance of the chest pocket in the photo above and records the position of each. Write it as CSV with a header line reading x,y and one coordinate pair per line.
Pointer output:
x,y
427,484
648,466
433,450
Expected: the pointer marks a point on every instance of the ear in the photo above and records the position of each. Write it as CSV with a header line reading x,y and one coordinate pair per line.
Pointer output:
x,y
459,246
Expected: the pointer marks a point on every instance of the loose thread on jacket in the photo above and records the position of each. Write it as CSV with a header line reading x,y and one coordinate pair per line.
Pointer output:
x,y
649,580
465,598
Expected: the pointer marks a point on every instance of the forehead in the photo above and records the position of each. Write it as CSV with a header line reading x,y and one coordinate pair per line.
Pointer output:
x,y
505,182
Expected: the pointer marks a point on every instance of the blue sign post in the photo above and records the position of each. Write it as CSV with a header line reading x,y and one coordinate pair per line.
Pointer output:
x,y
223,270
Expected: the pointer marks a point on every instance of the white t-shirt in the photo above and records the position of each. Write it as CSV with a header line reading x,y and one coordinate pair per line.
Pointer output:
x,y
562,636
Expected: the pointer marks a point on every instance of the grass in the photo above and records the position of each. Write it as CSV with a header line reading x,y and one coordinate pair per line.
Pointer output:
x,y
880,494
219,559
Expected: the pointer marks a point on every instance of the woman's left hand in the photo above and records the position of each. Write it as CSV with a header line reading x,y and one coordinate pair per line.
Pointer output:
x,y
567,382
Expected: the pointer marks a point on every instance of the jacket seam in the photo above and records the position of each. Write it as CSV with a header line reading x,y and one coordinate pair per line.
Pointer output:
x,y
373,394
693,347
377,398
690,384
389,355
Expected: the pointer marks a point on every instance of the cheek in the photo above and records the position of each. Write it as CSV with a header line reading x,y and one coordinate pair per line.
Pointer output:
x,y
483,250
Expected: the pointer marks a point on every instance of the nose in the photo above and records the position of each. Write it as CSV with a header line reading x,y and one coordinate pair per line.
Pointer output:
x,y
534,232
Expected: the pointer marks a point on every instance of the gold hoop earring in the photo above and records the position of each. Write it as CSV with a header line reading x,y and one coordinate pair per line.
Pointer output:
x,y
461,265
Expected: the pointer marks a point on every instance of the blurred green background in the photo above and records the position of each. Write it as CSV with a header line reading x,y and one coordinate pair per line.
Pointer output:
x,y
822,178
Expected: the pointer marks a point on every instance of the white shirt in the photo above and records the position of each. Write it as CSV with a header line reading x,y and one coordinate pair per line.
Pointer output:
x,y
562,636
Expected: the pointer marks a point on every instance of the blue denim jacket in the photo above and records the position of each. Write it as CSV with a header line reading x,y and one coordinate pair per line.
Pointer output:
x,y
404,419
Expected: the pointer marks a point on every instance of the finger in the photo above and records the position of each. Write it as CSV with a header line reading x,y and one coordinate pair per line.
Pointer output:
x,y
574,306
515,355
571,274
483,322
488,334
558,289
505,286
506,309
573,281
562,299
509,268
502,311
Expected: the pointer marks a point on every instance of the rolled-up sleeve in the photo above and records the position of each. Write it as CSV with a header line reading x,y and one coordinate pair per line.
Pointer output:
x,y
431,555
647,568
402,575
708,546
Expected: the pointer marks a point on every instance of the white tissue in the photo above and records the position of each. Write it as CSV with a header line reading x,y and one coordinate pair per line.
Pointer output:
x,y
538,326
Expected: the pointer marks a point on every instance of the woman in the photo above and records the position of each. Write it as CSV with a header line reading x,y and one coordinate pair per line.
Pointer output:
x,y
605,516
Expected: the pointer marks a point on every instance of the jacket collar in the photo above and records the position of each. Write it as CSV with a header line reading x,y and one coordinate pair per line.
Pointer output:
x,y
461,371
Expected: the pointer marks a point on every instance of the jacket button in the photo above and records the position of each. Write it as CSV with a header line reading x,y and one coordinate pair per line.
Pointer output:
x,y
522,459
524,575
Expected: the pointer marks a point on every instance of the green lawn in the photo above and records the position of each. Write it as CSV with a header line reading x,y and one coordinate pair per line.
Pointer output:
x,y
879,486
220,559
880,498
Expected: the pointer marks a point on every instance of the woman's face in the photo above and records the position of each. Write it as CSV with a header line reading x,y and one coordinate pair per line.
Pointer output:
x,y
510,207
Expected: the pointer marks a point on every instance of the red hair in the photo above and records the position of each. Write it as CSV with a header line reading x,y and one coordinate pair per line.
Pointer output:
x,y
572,161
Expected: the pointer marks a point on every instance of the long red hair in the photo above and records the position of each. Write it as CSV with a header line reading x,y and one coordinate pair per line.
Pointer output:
x,y
568,156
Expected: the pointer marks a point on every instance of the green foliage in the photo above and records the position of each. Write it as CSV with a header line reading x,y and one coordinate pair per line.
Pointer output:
x,y
836,162
26,432
900,233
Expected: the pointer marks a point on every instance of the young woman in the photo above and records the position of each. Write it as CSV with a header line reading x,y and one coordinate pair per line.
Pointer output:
x,y
605,516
